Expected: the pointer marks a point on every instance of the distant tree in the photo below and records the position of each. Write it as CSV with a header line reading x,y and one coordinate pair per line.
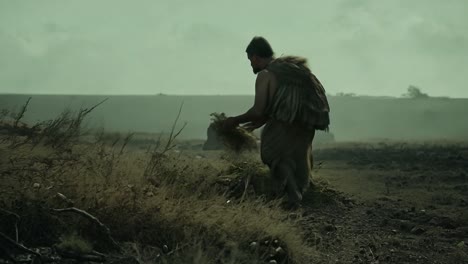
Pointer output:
x,y
415,93
346,94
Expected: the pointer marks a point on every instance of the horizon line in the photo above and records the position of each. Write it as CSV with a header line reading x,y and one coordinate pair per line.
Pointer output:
x,y
166,94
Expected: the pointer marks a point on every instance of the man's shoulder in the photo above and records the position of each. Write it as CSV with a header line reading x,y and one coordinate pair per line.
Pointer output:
x,y
265,74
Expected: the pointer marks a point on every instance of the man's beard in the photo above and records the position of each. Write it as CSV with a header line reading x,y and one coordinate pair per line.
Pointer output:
x,y
256,70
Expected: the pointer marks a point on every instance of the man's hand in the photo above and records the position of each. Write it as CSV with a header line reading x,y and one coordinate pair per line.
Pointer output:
x,y
230,123
251,126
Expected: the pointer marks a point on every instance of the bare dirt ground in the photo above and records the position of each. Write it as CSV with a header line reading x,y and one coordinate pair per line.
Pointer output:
x,y
371,203
408,202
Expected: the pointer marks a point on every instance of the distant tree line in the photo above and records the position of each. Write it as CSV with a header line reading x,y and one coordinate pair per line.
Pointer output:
x,y
414,92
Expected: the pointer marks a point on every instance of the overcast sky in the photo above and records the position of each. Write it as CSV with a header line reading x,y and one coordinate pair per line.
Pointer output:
x,y
365,47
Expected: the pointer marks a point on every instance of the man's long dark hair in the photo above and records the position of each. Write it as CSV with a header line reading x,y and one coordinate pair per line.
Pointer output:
x,y
259,46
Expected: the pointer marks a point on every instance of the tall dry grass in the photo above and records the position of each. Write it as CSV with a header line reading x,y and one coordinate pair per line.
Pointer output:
x,y
162,206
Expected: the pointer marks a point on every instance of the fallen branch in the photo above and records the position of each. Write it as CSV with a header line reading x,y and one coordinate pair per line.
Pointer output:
x,y
94,256
9,213
17,245
17,219
93,219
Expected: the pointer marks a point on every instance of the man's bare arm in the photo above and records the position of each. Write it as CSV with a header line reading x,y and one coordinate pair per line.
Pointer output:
x,y
257,112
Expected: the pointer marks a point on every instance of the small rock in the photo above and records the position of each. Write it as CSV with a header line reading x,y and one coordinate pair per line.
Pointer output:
x,y
275,243
61,196
165,249
417,230
253,245
150,194
36,185
394,231
279,251
272,261
461,244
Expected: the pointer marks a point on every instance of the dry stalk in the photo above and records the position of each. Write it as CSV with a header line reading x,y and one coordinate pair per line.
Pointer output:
x,y
17,245
93,219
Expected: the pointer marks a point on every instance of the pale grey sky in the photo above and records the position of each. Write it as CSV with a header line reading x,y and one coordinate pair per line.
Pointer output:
x,y
366,47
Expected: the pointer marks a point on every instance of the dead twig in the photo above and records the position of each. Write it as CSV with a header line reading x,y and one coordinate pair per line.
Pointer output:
x,y
245,187
88,110
9,213
125,142
21,113
93,219
172,136
93,257
17,219
16,245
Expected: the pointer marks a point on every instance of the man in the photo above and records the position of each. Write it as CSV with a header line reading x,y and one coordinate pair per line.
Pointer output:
x,y
291,102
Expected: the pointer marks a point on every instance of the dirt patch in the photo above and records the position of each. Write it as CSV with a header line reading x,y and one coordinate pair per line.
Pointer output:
x,y
410,202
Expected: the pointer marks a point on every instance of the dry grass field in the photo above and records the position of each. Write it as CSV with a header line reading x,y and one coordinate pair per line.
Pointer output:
x,y
108,199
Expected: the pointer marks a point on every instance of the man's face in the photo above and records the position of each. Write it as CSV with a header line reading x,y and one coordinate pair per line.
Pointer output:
x,y
254,62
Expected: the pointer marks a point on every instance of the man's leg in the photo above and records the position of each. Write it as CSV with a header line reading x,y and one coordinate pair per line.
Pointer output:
x,y
278,179
286,169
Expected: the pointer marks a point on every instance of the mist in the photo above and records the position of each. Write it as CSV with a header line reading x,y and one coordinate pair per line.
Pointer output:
x,y
186,48
119,144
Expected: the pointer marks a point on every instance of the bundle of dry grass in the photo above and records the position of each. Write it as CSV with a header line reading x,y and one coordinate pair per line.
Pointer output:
x,y
237,139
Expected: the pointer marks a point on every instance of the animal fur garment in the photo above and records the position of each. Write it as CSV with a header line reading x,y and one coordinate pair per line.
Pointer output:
x,y
300,97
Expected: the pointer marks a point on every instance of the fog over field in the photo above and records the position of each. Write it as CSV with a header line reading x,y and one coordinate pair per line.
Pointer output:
x,y
352,117
94,167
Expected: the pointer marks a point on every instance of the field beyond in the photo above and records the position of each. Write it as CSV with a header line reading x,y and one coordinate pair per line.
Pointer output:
x,y
109,200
